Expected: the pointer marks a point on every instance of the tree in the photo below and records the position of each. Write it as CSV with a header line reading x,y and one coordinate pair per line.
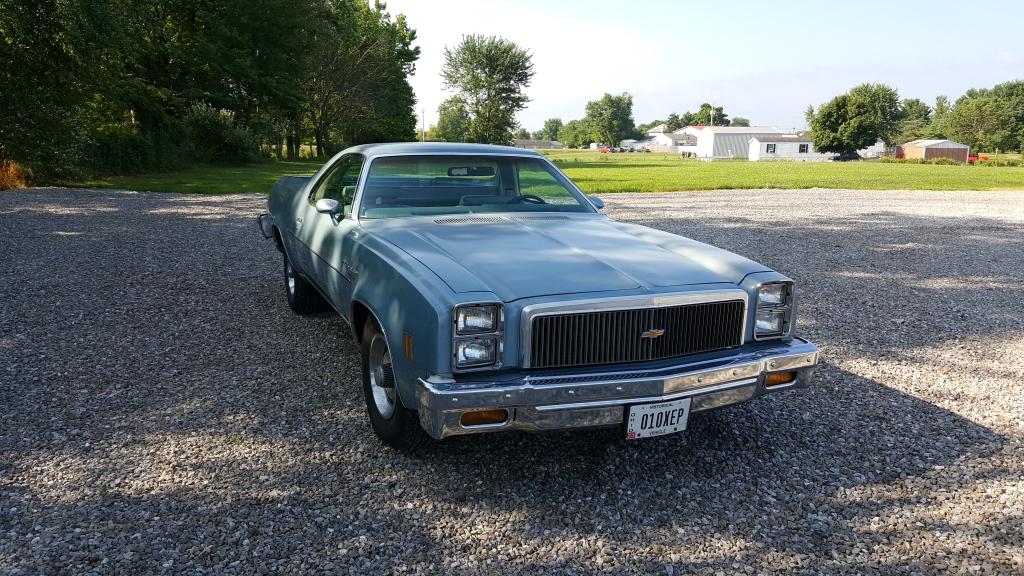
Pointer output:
x,y
453,120
705,117
916,119
550,129
739,121
573,134
881,104
985,123
673,122
844,125
358,89
809,114
857,119
521,134
490,74
610,119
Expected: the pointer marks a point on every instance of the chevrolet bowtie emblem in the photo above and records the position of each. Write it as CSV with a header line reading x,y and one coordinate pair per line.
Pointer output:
x,y
653,333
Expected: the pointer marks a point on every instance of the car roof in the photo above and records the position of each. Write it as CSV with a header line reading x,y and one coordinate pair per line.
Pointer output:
x,y
413,148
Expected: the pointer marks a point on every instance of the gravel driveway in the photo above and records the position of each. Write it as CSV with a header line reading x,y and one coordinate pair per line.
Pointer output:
x,y
162,411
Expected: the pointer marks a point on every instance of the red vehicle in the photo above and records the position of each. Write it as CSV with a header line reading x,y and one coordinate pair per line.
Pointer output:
x,y
973,157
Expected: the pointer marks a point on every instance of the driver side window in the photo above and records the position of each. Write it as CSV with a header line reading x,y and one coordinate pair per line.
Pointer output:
x,y
340,183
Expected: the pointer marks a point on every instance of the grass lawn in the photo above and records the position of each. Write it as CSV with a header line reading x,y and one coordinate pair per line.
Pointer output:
x,y
206,179
603,173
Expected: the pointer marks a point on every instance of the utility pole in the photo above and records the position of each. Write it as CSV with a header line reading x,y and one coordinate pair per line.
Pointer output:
x,y
423,124
712,115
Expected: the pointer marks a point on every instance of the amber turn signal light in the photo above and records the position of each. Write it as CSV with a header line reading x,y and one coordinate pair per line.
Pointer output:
x,y
482,417
779,378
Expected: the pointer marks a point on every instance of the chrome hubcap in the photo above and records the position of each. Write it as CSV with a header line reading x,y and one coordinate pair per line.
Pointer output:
x,y
382,376
289,277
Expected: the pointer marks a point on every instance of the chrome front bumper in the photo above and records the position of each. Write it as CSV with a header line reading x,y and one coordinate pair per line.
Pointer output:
x,y
587,399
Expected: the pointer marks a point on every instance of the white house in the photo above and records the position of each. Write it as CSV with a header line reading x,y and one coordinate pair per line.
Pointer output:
x,y
784,147
720,142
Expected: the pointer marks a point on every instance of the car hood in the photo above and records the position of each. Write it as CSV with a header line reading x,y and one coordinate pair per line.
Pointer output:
x,y
518,257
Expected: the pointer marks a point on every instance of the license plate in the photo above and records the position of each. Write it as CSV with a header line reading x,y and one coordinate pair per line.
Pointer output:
x,y
646,420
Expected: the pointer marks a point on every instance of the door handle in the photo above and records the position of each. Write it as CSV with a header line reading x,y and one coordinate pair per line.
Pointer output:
x,y
298,220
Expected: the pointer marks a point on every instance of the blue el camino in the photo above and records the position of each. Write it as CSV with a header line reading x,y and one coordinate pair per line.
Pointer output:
x,y
486,292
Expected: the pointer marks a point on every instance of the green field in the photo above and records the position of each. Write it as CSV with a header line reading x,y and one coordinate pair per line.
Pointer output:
x,y
652,172
604,173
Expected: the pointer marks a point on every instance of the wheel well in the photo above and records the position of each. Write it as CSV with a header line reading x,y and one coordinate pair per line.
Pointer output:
x,y
360,313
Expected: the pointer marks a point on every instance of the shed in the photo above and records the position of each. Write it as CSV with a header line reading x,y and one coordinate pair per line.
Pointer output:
x,y
933,149
784,147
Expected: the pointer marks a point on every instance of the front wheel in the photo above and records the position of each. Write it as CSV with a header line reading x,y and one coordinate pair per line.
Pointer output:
x,y
393,423
302,296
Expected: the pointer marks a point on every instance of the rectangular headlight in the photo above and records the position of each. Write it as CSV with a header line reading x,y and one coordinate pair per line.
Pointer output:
x,y
478,352
772,295
774,310
476,320
769,322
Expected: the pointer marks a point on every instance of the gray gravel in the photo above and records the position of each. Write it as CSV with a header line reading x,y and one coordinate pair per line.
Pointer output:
x,y
161,410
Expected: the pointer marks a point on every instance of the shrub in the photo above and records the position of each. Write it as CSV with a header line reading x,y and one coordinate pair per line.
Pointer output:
x,y
211,135
120,148
1001,162
945,162
12,175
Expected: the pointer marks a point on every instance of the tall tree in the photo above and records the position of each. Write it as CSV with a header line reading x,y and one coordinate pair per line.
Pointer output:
x,y
490,74
358,88
882,108
673,122
453,120
708,115
573,134
916,117
844,125
739,121
985,123
550,129
610,119
857,119
521,134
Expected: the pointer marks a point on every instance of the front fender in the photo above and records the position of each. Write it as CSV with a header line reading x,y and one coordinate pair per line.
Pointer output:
x,y
405,298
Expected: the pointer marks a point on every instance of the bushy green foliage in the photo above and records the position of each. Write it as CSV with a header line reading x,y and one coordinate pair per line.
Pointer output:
x,y
212,135
490,74
610,119
111,84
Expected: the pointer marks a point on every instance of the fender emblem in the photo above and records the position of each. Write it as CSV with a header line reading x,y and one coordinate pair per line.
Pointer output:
x,y
653,333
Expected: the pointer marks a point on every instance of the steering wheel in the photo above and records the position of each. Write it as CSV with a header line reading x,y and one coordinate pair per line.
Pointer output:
x,y
530,199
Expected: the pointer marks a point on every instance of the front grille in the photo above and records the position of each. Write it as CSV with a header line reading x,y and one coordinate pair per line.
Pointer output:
x,y
615,336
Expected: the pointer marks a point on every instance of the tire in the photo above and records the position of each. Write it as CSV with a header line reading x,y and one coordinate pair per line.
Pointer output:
x,y
302,296
392,422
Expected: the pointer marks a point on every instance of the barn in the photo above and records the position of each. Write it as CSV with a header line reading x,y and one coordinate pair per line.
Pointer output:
x,y
933,149
721,142
785,147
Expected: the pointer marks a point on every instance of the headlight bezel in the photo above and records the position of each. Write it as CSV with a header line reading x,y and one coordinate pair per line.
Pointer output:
x,y
784,307
497,334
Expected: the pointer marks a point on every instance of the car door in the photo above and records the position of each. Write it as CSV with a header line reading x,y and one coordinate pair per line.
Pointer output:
x,y
326,235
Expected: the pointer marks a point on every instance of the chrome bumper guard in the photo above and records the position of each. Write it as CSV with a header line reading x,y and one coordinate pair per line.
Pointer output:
x,y
588,399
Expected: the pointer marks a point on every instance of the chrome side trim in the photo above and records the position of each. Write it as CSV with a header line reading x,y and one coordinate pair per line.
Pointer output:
x,y
623,303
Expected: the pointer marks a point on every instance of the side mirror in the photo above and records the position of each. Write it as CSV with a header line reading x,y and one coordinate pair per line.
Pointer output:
x,y
328,206
597,202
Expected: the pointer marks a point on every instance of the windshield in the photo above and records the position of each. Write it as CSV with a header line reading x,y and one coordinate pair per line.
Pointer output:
x,y
423,185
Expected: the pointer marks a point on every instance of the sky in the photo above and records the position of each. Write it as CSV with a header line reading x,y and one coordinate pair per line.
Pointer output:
x,y
765,61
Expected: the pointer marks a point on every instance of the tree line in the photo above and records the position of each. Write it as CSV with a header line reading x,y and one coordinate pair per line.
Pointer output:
x,y
990,119
126,85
